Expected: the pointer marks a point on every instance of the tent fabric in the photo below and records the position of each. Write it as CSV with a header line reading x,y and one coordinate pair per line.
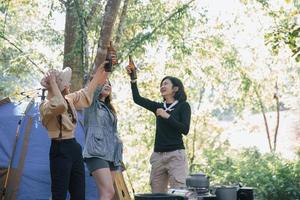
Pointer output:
x,y
35,177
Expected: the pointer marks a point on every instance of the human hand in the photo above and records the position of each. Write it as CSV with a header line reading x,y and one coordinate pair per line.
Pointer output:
x,y
109,64
161,112
131,69
113,54
128,69
51,76
49,79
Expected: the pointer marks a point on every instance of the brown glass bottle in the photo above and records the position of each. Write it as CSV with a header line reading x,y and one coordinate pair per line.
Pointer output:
x,y
111,58
111,50
132,67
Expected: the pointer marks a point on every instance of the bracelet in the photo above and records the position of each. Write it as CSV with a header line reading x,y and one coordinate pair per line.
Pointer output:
x,y
133,81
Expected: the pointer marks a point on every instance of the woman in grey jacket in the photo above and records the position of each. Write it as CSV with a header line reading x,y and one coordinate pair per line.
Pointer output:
x,y
103,148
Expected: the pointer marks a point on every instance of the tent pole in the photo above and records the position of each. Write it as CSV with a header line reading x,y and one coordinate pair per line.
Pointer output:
x,y
14,149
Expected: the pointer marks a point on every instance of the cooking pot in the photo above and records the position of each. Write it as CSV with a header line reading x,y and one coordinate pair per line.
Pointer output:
x,y
198,180
157,196
226,193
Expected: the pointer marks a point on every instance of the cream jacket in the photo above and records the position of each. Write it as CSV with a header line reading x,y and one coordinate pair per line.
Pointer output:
x,y
52,108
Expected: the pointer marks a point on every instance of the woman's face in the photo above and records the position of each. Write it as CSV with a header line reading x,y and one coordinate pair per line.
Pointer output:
x,y
166,88
106,89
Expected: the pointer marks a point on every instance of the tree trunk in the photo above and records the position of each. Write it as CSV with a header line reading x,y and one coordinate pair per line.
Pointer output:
x,y
121,24
277,117
262,108
109,18
195,132
73,49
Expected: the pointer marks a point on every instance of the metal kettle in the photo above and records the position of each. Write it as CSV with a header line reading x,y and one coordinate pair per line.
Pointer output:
x,y
198,180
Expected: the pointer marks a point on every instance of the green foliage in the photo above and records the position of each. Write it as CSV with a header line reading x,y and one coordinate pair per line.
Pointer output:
x,y
144,28
26,35
230,60
271,176
286,30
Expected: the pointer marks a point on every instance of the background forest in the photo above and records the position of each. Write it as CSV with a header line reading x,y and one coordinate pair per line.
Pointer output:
x,y
239,61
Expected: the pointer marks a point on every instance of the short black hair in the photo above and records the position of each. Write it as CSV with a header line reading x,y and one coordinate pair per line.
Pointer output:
x,y
180,95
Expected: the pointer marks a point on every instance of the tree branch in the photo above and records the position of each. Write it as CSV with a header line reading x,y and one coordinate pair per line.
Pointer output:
x,y
265,118
109,18
20,50
5,17
92,12
277,117
192,158
121,26
148,35
63,2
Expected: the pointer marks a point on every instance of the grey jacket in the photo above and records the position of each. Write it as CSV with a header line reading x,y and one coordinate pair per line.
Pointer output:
x,y
101,135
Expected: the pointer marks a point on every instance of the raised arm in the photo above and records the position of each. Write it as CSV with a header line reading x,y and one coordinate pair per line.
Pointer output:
x,y
144,102
99,78
56,104
83,98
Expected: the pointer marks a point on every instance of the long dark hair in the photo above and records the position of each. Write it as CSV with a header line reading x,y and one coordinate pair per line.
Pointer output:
x,y
108,101
180,94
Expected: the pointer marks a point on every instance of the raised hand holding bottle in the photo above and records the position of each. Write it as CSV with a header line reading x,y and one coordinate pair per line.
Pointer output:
x,y
132,68
111,58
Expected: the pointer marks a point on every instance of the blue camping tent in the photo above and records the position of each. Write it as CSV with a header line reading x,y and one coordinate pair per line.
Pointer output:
x,y
28,177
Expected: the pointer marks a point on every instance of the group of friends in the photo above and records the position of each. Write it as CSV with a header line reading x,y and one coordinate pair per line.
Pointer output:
x,y
103,149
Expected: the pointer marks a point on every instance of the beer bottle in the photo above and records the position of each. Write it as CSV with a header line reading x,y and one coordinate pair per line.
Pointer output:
x,y
132,67
110,57
112,52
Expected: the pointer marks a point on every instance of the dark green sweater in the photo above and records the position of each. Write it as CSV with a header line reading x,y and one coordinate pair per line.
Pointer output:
x,y
169,131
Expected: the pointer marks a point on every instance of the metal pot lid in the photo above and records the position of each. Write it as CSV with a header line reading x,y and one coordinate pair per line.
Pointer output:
x,y
198,174
226,187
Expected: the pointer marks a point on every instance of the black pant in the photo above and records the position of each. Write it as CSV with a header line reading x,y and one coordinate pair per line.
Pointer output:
x,y
67,170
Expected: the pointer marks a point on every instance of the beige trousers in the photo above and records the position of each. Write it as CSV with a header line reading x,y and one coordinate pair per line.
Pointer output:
x,y
168,167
